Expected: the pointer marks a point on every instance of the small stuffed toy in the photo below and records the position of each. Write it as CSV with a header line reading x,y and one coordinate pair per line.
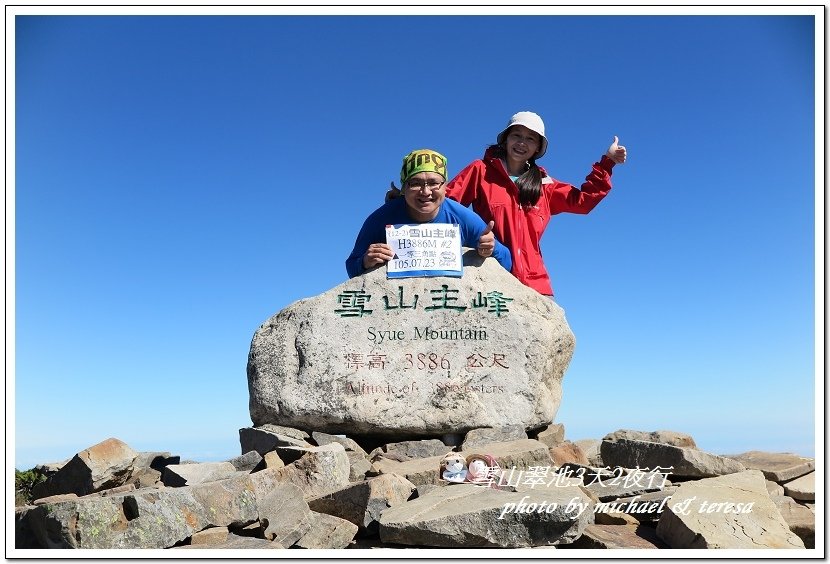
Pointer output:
x,y
483,469
453,468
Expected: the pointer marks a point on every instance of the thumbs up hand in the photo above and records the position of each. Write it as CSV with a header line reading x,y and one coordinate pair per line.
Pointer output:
x,y
393,192
487,241
616,152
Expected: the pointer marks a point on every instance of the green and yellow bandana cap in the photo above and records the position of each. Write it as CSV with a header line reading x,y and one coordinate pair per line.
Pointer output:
x,y
423,160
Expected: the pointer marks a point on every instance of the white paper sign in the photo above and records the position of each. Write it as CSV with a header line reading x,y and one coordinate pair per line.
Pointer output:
x,y
425,249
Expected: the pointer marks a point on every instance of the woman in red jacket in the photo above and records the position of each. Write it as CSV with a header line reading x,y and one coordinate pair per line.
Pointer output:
x,y
507,187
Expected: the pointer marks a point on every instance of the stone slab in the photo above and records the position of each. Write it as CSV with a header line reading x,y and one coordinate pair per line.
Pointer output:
x,y
468,516
732,511
776,466
802,488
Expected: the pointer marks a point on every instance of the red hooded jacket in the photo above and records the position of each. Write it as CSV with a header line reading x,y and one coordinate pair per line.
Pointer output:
x,y
487,186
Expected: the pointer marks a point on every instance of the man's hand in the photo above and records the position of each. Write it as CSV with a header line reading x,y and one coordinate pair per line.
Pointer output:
x,y
394,192
616,152
377,253
487,241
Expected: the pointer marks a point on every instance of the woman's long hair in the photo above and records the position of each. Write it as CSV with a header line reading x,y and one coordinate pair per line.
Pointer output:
x,y
530,181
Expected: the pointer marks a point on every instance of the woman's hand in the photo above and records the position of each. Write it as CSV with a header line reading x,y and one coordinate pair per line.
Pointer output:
x,y
616,152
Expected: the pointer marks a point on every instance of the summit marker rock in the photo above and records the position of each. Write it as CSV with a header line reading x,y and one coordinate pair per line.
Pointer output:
x,y
412,357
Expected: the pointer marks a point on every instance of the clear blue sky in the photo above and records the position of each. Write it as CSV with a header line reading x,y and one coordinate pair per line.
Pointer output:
x,y
175,177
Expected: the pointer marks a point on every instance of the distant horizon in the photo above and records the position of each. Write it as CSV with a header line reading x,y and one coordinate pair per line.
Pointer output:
x,y
174,179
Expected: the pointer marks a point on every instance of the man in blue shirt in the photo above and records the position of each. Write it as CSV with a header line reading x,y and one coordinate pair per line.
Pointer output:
x,y
424,185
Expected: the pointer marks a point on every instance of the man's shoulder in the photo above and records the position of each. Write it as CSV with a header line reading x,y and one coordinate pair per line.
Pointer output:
x,y
390,208
457,211
453,207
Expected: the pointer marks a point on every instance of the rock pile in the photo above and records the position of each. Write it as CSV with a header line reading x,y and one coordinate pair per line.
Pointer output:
x,y
310,490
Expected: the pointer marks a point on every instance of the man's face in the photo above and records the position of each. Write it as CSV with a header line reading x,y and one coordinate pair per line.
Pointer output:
x,y
424,193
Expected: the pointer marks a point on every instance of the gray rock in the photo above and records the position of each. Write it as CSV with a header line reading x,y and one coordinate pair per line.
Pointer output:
x,y
567,452
665,437
24,536
590,447
519,454
235,542
776,466
645,508
634,483
284,514
319,470
684,462
800,519
148,518
362,503
552,435
419,471
246,462
266,438
614,518
148,468
467,516
102,466
50,468
410,450
478,439
178,475
55,499
210,536
327,532
446,364
421,491
803,488
731,511
348,444
618,537
773,488
359,463
273,460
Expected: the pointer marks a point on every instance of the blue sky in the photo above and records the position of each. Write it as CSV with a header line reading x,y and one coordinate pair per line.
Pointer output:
x,y
178,180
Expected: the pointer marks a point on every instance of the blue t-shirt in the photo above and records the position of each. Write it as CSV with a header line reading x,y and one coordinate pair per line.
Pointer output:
x,y
394,212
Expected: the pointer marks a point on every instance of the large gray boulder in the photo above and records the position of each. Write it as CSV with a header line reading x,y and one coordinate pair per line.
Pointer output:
x,y
685,462
412,356
105,465
467,516
733,511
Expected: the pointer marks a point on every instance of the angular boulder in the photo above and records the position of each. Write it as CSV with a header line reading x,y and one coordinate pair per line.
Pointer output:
x,y
731,511
105,465
802,488
318,470
480,438
147,518
327,531
685,462
618,536
468,516
178,475
409,450
362,503
666,437
776,466
412,356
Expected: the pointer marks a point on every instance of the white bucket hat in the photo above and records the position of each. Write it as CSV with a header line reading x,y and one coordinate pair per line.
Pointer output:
x,y
531,121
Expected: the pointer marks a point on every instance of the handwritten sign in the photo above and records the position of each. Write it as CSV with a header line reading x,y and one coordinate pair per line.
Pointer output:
x,y
426,249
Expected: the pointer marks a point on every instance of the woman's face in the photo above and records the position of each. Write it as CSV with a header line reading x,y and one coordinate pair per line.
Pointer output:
x,y
521,144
